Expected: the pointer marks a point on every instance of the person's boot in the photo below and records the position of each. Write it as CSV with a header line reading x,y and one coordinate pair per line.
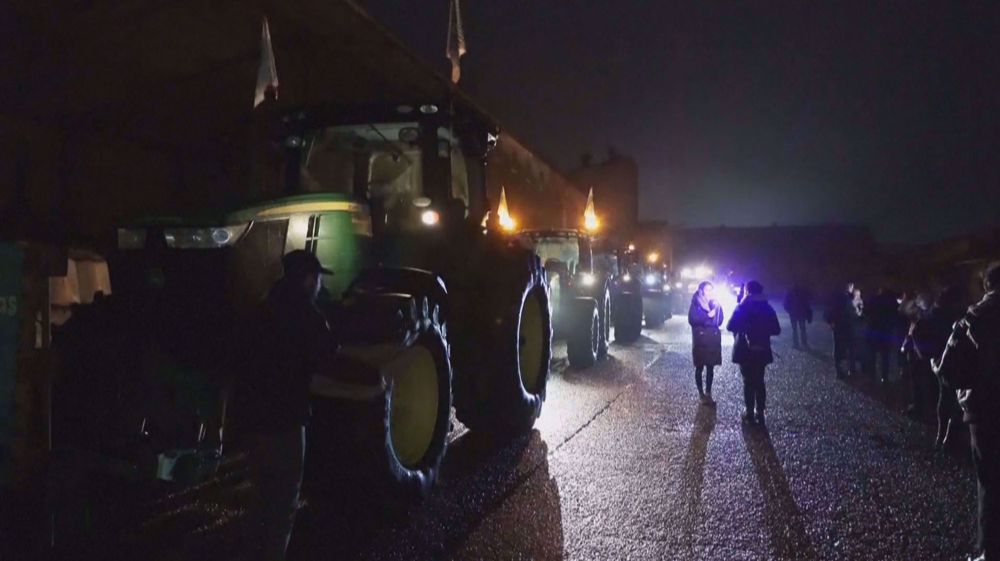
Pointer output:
x,y
708,398
760,418
747,417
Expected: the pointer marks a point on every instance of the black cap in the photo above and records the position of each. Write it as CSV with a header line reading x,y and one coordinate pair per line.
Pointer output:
x,y
302,262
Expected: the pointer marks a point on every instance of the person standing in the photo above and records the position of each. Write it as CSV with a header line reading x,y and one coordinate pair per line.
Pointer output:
x,y
881,332
857,351
970,365
798,306
930,337
753,323
705,317
289,342
838,315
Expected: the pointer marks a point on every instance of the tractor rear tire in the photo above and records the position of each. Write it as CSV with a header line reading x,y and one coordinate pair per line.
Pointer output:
x,y
505,348
628,317
583,343
655,318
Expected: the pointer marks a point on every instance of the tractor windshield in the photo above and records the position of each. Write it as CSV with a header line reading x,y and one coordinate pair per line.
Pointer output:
x,y
561,250
384,158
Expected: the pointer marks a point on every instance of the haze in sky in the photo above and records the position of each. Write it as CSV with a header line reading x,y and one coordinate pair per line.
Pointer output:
x,y
883,113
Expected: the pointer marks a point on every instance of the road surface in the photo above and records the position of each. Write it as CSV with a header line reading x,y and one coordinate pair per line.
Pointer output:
x,y
625,464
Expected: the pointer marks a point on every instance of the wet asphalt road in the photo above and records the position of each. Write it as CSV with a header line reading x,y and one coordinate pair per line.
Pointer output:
x,y
625,464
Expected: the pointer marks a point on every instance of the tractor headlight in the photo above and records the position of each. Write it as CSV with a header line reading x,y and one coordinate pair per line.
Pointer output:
x,y
667,287
131,238
203,238
430,217
678,285
651,279
627,278
687,273
587,279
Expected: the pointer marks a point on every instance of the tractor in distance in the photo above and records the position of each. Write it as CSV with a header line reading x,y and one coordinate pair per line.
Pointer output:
x,y
654,279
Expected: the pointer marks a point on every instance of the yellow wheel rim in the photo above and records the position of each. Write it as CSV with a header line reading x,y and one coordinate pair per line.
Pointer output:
x,y
531,342
413,404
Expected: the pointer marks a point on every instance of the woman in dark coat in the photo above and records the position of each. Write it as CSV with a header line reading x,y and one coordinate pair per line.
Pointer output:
x,y
754,322
705,317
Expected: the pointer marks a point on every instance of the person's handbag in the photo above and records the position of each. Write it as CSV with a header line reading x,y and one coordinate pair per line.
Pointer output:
x,y
741,348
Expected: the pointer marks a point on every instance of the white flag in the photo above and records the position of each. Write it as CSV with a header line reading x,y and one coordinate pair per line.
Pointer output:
x,y
456,40
267,73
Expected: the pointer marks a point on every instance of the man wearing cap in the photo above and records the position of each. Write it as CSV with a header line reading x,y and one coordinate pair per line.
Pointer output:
x,y
288,343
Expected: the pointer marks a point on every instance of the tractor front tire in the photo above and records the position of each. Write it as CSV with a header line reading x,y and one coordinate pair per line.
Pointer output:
x,y
397,440
583,343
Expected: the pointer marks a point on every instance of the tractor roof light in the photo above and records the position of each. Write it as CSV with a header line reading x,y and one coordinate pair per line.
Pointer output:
x,y
653,257
590,221
506,221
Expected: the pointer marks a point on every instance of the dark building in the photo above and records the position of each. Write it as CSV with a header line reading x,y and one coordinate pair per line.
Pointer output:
x,y
777,256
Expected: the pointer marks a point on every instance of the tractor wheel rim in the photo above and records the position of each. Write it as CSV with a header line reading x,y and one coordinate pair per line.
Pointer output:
x,y
413,404
531,343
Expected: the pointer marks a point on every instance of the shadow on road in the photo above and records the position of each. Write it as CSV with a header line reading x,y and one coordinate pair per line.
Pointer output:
x,y
782,516
694,471
477,476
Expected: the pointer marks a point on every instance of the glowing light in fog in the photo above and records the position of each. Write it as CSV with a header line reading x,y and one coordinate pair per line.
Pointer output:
x,y
653,257
686,273
506,221
587,279
430,217
590,221
650,279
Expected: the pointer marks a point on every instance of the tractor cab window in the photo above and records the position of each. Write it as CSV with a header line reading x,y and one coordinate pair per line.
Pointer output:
x,y
459,169
384,157
557,252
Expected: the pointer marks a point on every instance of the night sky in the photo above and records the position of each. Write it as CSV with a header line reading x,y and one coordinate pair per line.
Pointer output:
x,y
755,113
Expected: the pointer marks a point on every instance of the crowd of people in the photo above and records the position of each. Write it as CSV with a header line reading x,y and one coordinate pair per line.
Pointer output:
x,y
946,345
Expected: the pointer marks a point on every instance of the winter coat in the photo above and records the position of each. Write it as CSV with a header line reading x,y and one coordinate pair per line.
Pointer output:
x,y
798,304
706,348
971,361
839,312
882,312
289,341
755,321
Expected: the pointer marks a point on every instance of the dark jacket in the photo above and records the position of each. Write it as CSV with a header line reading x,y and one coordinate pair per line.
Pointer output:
x,y
931,332
706,348
839,312
798,304
288,342
971,361
757,321
882,312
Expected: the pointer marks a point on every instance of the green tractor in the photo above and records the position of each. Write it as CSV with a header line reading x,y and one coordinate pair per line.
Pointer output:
x,y
654,283
580,292
434,307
